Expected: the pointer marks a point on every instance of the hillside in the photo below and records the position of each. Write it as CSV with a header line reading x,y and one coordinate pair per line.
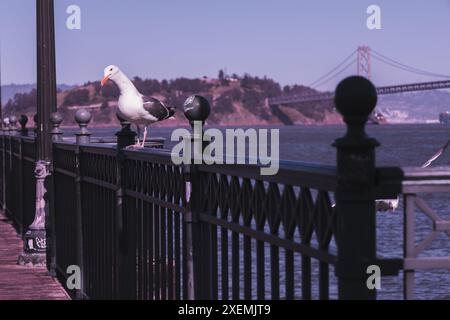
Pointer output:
x,y
235,101
10,90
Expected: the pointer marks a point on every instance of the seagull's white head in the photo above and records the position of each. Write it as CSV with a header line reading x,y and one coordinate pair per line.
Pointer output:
x,y
111,72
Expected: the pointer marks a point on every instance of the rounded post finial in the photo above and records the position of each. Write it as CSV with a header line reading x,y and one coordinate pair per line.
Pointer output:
x,y
83,117
23,120
56,119
196,108
13,122
355,98
6,124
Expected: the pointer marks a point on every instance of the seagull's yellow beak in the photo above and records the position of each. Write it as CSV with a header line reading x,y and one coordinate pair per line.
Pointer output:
x,y
105,80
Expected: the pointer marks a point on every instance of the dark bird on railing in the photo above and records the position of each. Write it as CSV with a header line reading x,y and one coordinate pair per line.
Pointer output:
x,y
134,106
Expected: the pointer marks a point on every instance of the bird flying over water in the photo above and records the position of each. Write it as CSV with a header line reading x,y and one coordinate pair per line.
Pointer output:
x,y
437,155
135,107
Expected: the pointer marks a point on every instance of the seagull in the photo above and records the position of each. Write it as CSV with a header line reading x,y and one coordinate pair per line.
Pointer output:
x,y
437,155
134,106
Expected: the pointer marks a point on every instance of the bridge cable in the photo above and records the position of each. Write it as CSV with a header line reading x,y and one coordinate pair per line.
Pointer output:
x,y
405,67
335,75
333,70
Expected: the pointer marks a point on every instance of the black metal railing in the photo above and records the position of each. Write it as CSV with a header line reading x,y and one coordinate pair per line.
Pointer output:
x,y
249,225
140,227
18,181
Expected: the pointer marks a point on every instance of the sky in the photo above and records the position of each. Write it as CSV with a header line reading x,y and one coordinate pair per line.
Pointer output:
x,y
291,41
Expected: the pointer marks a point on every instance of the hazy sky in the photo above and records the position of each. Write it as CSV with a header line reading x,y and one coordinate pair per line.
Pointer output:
x,y
292,41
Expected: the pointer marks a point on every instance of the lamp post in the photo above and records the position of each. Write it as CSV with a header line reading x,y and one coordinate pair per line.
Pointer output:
x,y
35,239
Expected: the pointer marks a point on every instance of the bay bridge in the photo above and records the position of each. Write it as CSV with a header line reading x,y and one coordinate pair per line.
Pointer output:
x,y
364,56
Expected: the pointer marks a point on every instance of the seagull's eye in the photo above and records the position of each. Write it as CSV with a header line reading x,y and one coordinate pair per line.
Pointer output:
x,y
111,69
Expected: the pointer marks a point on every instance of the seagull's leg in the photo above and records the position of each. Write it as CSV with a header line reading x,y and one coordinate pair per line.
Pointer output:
x,y
138,143
138,133
145,136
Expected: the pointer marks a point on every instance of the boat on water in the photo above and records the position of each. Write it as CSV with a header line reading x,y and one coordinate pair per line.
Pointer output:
x,y
377,118
444,118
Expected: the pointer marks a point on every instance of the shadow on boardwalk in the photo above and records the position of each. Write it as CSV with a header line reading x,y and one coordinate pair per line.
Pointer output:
x,y
19,282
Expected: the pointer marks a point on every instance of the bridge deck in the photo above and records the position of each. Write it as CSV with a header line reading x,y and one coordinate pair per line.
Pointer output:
x,y
19,282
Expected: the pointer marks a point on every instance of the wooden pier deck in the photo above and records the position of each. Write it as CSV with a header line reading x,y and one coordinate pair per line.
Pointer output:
x,y
20,282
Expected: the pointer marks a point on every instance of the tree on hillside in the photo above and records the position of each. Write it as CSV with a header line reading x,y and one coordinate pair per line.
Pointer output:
x,y
104,115
221,75
110,91
77,98
22,102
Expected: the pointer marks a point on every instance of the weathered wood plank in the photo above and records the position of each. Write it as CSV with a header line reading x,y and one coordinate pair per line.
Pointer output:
x,y
20,282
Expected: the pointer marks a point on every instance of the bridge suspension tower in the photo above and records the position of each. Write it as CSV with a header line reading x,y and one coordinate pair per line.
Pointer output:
x,y
363,62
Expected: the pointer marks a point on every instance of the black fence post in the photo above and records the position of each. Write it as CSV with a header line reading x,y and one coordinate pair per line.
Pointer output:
x,y
197,110
355,99
23,120
82,117
3,166
56,136
125,138
35,119
20,179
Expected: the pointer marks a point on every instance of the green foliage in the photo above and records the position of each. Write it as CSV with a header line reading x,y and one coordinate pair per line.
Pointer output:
x,y
77,97
224,96
22,102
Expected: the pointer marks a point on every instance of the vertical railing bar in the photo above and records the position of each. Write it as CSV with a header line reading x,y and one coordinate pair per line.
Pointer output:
x,y
275,272
323,281
163,262
213,257
170,260
140,250
21,187
289,270
235,264
224,260
157,246
178,255
79,220
145,251
260,270
409,244
247,268
306,277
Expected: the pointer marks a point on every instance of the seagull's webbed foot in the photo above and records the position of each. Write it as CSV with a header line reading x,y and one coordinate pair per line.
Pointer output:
x,y
137,145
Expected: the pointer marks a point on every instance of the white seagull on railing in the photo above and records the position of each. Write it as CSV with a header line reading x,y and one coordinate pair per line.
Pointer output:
x,y
134,106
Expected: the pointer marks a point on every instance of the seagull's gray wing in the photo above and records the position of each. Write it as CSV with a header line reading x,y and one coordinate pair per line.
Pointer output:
x,y
157,109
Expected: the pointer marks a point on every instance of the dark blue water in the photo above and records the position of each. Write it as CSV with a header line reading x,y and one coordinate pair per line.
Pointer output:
x,y
401,145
